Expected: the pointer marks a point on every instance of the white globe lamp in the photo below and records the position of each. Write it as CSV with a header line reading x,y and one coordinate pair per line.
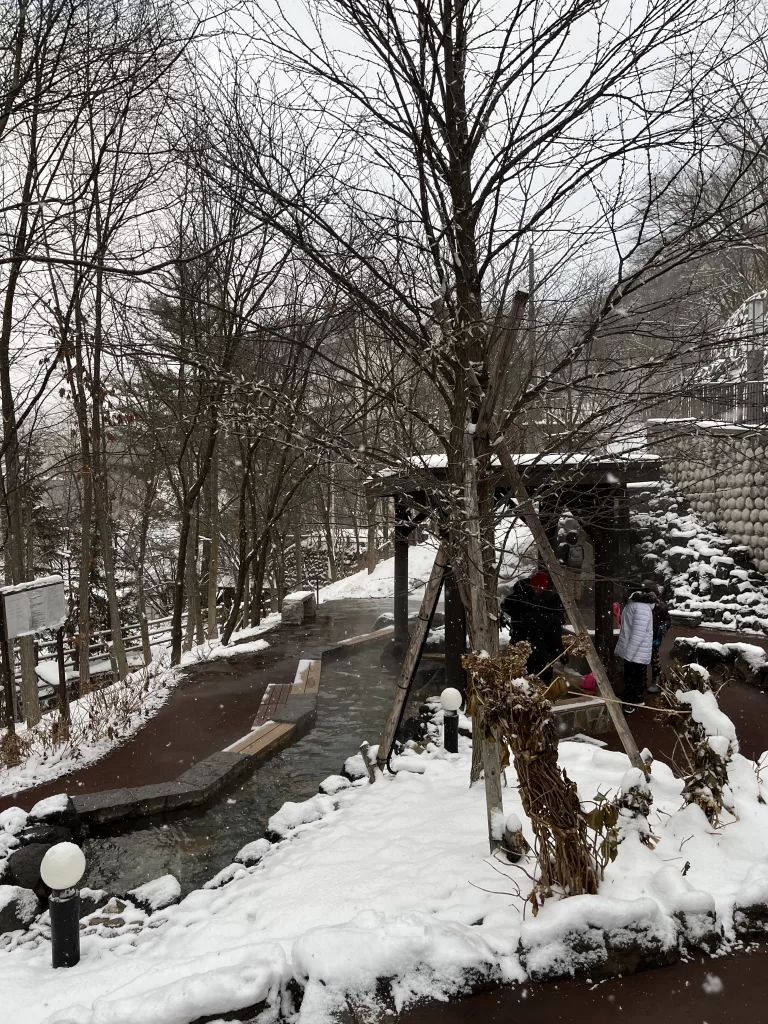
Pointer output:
x,y
61,869
451,699
63,866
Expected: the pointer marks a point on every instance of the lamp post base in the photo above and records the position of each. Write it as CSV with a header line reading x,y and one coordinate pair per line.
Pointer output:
x,y
451,731
64,910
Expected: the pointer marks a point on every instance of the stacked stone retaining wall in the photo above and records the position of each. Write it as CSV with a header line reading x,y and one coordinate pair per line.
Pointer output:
x,y
722,471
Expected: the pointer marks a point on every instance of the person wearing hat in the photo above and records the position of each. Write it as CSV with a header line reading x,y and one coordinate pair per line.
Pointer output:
x,y
534,613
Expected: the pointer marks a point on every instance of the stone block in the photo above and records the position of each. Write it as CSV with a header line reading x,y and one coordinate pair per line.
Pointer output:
x,y
299,608
300,710
108,805
213,773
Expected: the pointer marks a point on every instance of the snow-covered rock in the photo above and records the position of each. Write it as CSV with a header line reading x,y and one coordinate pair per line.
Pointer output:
x,y
252,853
335,783
156,895
18,908
590,936
292,815
13,820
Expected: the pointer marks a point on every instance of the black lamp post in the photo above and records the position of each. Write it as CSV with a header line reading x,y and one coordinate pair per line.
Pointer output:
x,y
451,700
61,869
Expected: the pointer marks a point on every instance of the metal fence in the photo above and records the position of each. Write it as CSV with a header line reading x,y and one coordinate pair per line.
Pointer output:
x,y
741,401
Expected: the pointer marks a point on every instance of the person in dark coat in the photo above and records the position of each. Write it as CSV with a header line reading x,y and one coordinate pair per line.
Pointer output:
x,y
661,623
534,613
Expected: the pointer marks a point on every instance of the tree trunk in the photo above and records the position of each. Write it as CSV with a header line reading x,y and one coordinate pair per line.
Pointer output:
x,y
298,551
213,560
30,697
485,637
370,554
146,511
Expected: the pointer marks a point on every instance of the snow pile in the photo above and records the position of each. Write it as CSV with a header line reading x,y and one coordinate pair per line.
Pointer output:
x,y
381,582
514,551
390,888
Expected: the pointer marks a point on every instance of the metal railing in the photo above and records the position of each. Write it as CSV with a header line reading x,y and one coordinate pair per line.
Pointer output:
x,y
740,401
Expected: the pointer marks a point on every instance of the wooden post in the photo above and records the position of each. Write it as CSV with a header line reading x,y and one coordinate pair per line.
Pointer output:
x,y
485,637
63,696
401,580
413,655
528,513
455,634
603,594
5,663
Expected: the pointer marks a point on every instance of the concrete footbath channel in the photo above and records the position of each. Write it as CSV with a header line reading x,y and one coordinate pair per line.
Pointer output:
x,y
357,686
355,695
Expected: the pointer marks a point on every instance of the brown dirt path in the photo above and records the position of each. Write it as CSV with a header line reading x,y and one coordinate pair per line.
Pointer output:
x,y
213,707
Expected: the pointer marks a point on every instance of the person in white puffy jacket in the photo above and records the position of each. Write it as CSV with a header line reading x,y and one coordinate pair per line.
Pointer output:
x,y
635,646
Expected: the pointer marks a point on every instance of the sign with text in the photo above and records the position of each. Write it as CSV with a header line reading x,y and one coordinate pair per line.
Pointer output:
x,y
31,607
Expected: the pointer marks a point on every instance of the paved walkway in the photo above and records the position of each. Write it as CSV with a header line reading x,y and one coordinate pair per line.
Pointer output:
x,y
745,705
213,707
667,995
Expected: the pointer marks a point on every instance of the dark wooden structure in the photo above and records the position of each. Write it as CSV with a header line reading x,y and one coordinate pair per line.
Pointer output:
x,y
594,490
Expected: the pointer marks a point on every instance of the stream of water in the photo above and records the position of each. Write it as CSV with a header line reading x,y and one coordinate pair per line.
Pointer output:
x,y
355,695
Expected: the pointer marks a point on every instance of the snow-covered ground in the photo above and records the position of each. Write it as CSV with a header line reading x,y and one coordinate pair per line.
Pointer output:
x,y
513,543
106,718
388,881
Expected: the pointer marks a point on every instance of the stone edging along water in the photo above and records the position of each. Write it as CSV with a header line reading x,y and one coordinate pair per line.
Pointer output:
x,y
203,780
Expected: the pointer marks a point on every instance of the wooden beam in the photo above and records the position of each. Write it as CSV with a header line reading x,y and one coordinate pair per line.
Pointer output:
x,y
455,635
401,579
413,655
531,519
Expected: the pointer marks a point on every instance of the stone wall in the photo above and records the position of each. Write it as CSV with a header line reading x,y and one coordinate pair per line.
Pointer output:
x,y
723,472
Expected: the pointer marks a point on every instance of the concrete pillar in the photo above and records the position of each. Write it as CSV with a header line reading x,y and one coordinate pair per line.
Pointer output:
x,y
402,529
455,635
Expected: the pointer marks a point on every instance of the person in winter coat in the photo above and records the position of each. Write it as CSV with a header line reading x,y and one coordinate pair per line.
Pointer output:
x,y
661,623
635,646
534,613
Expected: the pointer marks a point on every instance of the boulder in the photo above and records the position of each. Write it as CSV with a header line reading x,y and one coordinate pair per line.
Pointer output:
x,y
680,559
384,620
91,900
597,938
751,670
50,834
156,895
741,555
13,819
253,852
18,908
24,867
56,810
718,588
330,785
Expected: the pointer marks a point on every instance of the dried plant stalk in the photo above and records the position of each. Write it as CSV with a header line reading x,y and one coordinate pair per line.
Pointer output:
x,y
518,709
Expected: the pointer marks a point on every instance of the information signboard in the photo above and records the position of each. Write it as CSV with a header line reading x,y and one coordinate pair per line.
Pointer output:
x,y
31,607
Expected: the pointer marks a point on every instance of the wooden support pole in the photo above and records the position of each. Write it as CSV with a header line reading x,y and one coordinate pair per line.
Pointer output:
x,y
485,637
413,655
6,666
455,634
528,513
401,580
603,594
63,695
